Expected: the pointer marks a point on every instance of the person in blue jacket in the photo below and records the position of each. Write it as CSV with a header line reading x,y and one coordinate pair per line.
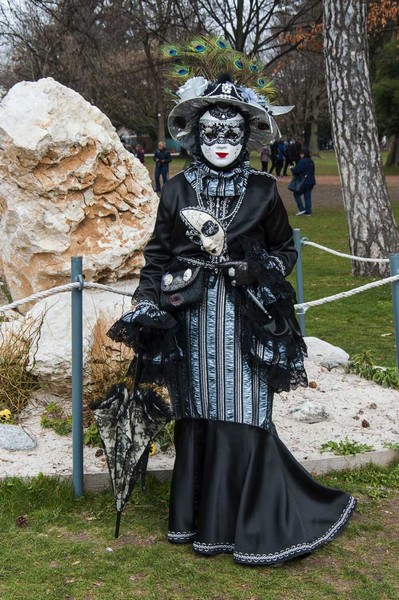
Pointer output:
x,y
281,154
162,159
305,167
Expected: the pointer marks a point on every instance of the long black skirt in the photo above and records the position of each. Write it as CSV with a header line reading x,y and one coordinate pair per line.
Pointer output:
x,y
237,489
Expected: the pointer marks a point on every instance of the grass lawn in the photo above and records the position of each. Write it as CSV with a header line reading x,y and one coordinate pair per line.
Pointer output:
x,y
67,550
362,322
326,164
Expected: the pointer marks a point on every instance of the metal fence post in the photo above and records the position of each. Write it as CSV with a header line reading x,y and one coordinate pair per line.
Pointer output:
x,y
77,376
299,280
394,268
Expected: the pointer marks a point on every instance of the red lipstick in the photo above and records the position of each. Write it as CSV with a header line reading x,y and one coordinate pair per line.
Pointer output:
x,y
222,154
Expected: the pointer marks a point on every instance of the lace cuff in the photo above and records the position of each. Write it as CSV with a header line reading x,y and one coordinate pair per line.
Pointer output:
x,y
260,262
274,262
145,314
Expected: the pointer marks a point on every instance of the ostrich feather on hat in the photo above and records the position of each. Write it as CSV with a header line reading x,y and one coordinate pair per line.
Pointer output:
x,y
210,71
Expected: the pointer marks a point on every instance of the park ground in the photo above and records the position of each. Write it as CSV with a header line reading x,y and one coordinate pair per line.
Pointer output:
x,y
57,547
66,549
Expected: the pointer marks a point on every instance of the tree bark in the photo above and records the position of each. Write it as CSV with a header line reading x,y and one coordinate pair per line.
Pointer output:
x,y
372,228
393,152
314,124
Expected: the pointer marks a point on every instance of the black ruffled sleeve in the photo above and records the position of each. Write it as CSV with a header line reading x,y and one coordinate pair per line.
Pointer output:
x,y
279,237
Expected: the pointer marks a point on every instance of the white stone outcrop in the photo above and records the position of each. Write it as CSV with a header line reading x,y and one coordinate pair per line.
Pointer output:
x,y
50,357
310,412
325,354
68,188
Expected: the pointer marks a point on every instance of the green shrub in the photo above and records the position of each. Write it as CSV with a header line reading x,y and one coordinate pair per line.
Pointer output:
x,y
345,447
363,364
17,383
55,418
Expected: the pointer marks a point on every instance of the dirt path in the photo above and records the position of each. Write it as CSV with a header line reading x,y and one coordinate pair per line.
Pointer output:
x,y
327,192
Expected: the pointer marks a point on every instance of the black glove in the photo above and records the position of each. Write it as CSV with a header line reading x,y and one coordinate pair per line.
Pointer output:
x,y
151,333
238,272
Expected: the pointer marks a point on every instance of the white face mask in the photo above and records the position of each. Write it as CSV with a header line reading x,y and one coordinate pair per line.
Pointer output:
x,y
221,134
210,232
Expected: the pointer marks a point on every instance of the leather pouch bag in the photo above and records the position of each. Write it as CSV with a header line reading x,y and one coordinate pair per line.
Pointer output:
x,y
297,184
181,289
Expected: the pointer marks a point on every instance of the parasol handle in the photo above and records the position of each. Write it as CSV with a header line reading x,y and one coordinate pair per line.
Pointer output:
x,y
137,374
118,522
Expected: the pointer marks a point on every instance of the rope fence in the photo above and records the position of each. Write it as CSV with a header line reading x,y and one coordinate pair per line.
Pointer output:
x,y
78,284
108,288
63,288
305,305
306,242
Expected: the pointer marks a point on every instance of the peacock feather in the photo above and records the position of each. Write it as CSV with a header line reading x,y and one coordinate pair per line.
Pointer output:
x,y
170,51
212,56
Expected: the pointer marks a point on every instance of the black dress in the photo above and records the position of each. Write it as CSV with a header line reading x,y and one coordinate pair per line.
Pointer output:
x,y
236,488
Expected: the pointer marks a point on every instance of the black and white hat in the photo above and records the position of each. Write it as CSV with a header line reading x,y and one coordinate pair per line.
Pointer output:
x,y
198,93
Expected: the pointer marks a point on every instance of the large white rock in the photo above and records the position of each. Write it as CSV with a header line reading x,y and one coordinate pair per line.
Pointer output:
x,y
310,412
326,354
68,188
50,356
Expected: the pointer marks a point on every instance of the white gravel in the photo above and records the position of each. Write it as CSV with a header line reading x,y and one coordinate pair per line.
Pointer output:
x,y
351,401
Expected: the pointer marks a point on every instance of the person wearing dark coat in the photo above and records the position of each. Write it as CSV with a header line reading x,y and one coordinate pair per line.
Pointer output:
x,y
140,153
214,320
295,151
280,157
273,156
292,155
162,159
305,168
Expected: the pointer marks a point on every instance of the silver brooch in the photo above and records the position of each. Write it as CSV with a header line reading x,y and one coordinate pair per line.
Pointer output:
x,y
226,88
167,279
187,275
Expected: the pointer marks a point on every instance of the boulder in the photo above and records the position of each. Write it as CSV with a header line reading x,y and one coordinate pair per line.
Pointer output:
x,y
13,437
68,188
310,412
325,354
50,357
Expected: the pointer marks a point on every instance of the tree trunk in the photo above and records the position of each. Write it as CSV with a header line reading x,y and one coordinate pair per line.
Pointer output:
x,y
313,140
393,152
314,126
372,228
161,124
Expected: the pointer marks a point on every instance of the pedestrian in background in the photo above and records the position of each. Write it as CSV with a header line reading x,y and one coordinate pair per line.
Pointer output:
x,y
295,151
139,151
280,157
162,159
265,156
273,155
305,169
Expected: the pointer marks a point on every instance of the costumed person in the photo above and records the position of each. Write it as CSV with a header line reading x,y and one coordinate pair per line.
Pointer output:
x,y
306,169
162,158
214,319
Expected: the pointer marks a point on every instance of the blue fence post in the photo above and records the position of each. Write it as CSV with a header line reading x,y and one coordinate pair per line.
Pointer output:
x,y
77,375
299,280
394,268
